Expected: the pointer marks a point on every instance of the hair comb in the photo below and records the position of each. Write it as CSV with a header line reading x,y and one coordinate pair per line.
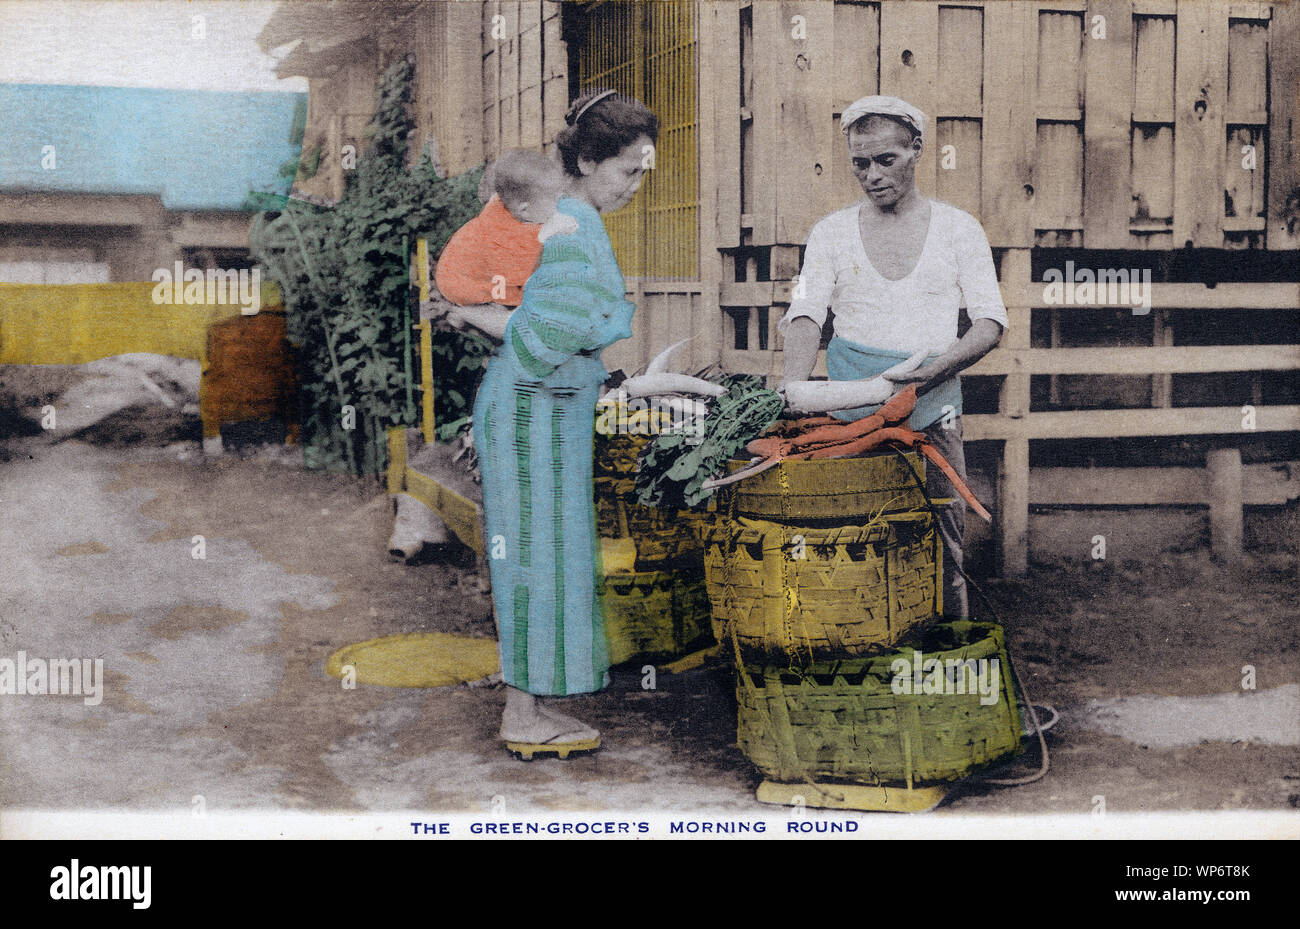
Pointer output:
x,y
588,105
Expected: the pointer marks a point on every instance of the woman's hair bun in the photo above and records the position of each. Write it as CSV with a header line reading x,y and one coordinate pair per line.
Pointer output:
x,y
599,123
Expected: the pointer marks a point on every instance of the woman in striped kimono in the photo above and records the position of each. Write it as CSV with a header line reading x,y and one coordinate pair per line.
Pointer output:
x,y
533,423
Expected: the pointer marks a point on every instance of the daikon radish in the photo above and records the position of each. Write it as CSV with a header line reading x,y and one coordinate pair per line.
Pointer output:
x,y
660,363
646,385
823,396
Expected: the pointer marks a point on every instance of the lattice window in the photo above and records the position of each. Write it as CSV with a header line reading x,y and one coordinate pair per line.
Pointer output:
x,y
647,51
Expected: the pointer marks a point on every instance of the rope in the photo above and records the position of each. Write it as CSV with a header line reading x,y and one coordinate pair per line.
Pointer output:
x,y
1046,760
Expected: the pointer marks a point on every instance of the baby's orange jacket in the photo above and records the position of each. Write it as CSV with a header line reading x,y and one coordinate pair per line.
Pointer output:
x,y
492,243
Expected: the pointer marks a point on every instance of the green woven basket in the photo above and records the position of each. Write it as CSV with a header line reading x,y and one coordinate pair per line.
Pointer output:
x,y
655,615
842,721
805,594
827,489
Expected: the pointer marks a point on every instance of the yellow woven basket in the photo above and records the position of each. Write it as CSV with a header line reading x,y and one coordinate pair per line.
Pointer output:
x,y
655,615
808,491
805,594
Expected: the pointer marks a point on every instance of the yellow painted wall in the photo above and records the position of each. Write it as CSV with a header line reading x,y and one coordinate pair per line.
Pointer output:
x,y
76,323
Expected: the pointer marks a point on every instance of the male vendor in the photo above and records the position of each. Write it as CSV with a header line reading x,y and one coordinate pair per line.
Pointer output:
x,y
895,268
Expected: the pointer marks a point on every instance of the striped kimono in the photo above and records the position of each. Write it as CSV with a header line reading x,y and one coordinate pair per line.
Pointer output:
x,y
533,425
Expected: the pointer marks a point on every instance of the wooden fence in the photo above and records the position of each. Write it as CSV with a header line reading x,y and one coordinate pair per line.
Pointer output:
x,y
1015,424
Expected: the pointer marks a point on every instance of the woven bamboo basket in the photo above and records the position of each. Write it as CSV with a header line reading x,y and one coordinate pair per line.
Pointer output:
x,y
842,721
655,615
826,489
806,594
621,433
660,535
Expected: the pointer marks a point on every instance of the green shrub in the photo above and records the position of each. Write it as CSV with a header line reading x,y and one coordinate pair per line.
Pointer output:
x,y
344,274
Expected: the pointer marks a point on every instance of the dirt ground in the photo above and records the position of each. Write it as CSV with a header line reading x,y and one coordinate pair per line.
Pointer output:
x,y
215,685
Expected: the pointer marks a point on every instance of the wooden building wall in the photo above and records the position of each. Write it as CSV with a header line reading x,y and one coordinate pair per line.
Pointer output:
x,y
524,74
1060,139
1052,135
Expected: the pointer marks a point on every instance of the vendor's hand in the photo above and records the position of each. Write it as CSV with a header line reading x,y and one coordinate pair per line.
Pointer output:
x,y
921,375
911,371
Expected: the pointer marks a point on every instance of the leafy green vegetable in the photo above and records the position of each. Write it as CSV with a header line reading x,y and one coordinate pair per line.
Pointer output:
x,y
345,279
672,470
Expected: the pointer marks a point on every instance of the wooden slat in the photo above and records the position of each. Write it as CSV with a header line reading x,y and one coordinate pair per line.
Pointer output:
x,y
857,53
1013,505
1199,359
1013,404
530,15
808,143
1162,336
1262,485
960,184
1007,158
462,515
1013,283
1153,174
1247,69
1223,475
745,293
1060,61
720,53
1201,76
507,53
857,74
1244,186
1058,178
1108,63
961,62
764,157
555,101
717,78
530,117
530,54
530,76
462,138
1284,124
909,53
768,364
1153,69
1110,424
554,61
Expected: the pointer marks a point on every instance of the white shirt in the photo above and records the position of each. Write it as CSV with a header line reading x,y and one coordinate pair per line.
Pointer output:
x,y
918,311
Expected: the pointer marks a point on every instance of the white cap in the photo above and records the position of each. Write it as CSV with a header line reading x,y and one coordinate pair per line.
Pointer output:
x,y
882,106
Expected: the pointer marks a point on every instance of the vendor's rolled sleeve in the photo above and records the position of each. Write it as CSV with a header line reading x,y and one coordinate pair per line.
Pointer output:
x,y
976,275
816,283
